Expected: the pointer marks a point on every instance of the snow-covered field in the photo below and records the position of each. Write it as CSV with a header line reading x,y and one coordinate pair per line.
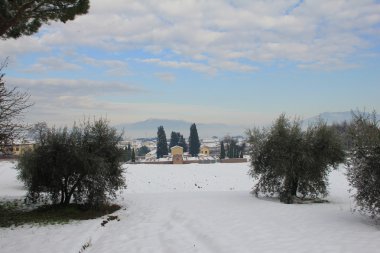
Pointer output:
x,y
200,208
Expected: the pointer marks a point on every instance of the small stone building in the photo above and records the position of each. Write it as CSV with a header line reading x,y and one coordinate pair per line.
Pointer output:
x,y
17,149
177,153
205,150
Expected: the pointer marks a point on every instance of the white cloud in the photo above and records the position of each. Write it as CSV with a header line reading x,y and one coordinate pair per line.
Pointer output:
x,y
112,67
178,65
310,32
59,87
52,64
166,77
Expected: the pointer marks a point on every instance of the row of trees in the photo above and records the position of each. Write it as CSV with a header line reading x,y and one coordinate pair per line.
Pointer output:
x,y
231,149
129,153
294,164
177,140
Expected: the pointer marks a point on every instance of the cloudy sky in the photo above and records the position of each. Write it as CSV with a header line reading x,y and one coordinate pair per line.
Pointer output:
x,y
236,62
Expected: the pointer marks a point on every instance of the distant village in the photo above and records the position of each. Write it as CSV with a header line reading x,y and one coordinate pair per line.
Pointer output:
x,y
145,150
210,151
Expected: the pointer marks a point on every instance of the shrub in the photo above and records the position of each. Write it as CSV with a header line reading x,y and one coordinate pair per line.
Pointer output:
x,y
363,167
81,164
288,161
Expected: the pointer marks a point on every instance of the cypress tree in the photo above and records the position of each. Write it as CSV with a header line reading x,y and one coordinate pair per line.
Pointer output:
x,y
194,143
222,150
133,156
162,145
229,151
174,139
129,152
182,143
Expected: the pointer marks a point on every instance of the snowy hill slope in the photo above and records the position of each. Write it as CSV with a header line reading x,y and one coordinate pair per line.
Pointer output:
x,y
200,208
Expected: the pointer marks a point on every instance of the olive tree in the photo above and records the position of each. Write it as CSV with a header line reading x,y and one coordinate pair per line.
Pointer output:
x,y
80,164
363,167
289,162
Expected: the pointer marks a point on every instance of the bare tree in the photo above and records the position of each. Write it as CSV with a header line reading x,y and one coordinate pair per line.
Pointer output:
x,y
12,106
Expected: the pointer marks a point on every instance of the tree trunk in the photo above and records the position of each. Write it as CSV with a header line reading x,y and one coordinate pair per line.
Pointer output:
x,y
291,186
294,187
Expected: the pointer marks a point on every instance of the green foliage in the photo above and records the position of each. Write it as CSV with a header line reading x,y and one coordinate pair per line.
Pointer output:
x,y
162,145
176,139
25,17
233,149
127,153
11,215
182,143
194,143
363,167
133,156
287,160
83,163
143,151
222,150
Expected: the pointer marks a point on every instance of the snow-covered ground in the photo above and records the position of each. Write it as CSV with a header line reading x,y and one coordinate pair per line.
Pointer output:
x,y
200,208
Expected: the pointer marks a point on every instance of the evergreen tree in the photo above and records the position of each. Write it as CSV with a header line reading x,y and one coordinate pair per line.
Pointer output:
x,y
363,169
182,143
287,160
174,139
126,155
129,152
194,143
25,17
81,164
133,156
162,145
222,150
143,151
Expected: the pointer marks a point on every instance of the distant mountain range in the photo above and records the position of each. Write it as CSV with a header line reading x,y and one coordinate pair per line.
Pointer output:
x,y
330,117
148,128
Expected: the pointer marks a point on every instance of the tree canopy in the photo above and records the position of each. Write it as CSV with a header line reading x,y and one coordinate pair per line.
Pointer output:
x,y
363,167
162,145
176,139
194,143
82,163
25,17
288,161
